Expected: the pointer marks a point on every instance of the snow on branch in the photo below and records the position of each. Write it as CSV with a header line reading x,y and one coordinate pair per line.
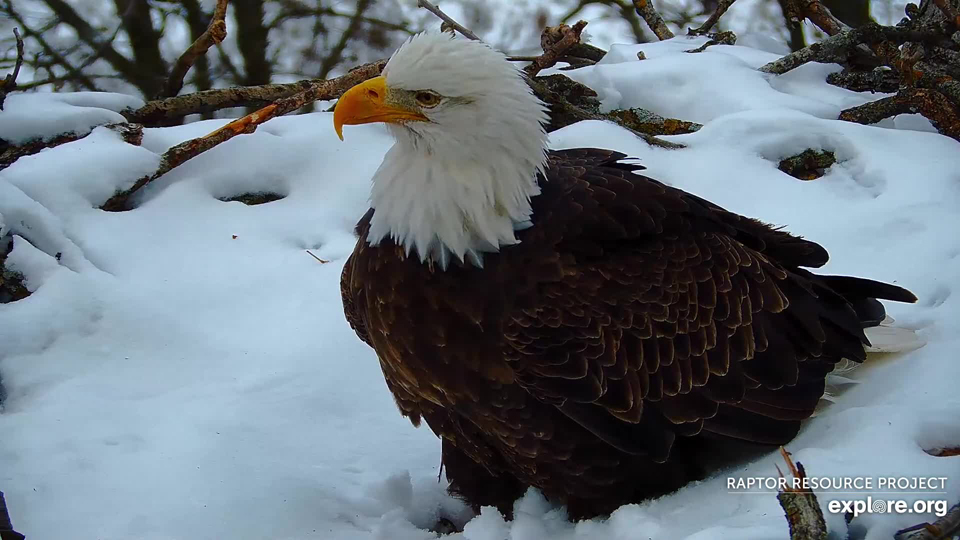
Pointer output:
x,y
932,104
130,133
919,59
181,153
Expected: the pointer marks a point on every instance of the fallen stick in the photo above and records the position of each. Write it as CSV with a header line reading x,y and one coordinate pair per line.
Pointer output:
x,y
801,507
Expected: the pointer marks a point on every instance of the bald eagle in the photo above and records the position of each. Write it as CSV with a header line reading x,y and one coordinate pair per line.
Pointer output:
x,y
560,320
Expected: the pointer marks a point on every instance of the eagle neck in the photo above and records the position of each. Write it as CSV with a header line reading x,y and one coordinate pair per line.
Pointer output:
x,y
445,205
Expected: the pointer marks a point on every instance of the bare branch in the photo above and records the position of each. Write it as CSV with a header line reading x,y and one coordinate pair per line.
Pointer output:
x,y
75,74
10,81
183,152
841,47
252,40
649,13
426,4
164,111
820,16
336,53
215,33
553,51
144,81
722,7
943,529
932,104
720,38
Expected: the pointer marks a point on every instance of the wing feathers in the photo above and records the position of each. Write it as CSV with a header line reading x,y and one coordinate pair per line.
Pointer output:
x,y
666,314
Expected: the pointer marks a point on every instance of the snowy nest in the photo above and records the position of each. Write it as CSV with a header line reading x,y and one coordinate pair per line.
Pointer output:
x,y
184,369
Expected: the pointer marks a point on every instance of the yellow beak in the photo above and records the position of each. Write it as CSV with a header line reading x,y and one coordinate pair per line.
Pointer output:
x,y
366,103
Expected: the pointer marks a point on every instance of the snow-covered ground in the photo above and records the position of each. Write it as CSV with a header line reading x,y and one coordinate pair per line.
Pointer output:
x,y
184,370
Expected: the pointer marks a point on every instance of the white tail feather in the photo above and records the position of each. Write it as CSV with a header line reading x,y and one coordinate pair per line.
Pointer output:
x,y
884,338
892,339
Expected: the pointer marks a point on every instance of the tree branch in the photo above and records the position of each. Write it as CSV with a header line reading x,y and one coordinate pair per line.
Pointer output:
x,y
336,53
130,133
252,41
137,22
820,16
9,83
183,152
145,82
944,528
839,48
164,111
932,104
74,73
197,21
447,19
649,13
215,33
722,7
554,50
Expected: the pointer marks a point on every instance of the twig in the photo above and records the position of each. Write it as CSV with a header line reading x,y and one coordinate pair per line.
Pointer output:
x,y
553,51
215,33
722,7
933,105
801,507
336,53
649,13
720,38
840,47
321,261
49,50
447,19
181,153
944,528
820,16
876,80
10,81
651,123
553,34
163,111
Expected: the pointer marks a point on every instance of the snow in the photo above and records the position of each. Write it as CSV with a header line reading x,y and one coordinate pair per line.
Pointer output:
x,y
43,116
184,370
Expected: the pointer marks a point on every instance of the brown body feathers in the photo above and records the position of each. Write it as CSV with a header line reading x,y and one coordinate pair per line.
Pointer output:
x,y
635,338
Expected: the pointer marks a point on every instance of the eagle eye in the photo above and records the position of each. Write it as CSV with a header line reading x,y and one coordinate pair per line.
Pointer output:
x,y
427,99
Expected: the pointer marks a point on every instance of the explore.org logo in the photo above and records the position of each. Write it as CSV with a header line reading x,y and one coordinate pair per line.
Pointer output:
x,y
871,495
887,506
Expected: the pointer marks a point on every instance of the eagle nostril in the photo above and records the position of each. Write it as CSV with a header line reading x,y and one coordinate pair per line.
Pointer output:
x,y
373,94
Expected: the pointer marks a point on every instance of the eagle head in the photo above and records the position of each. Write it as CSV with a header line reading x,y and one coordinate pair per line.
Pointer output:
x,y
470,145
